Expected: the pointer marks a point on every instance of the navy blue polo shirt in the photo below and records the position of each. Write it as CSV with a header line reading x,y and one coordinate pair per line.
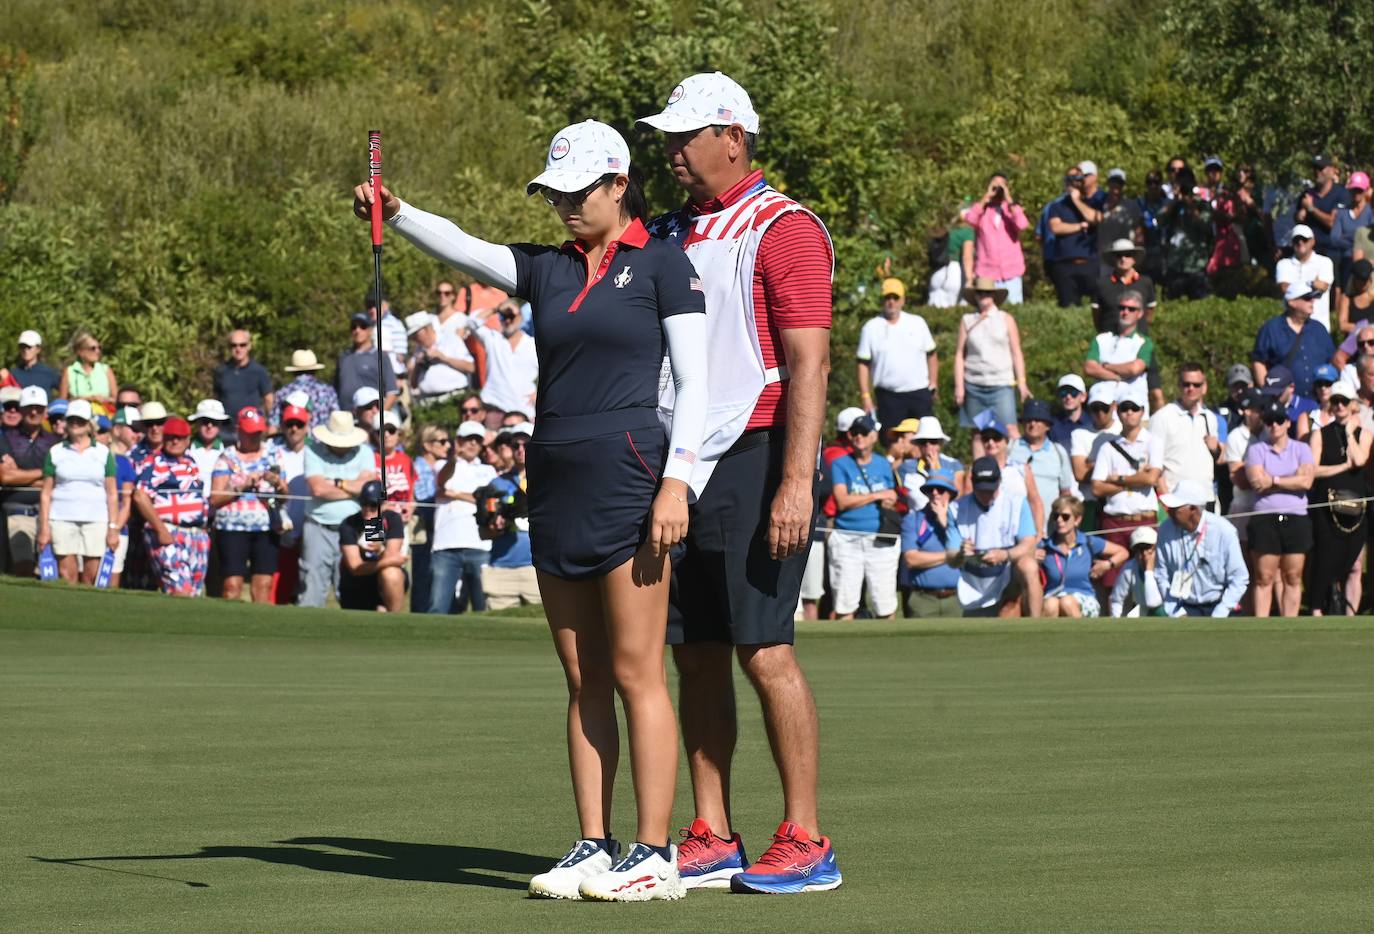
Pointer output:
x,y
1275,340
1081,245
240,386
601,339
1337,197
40,374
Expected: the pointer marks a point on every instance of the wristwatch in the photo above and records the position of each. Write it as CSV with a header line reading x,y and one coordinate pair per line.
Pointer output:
x,y
338,482
112,525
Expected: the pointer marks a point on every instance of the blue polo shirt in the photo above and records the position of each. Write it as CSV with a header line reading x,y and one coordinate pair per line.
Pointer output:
x,y
1070,571
920,532
1081,245
872,477
40,374
1275,340
601,339
1337,197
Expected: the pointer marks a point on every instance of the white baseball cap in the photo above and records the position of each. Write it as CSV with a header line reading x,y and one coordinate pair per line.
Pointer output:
x,y
388,418
579,155
472,430
1343,388
1074,381
1087,167
80,408
523,428
705,99
209,410
846,418
33,395
1187,493
1130,392
30,339
1297,290
418,322
1145,535
1301,230
366,396
1103,392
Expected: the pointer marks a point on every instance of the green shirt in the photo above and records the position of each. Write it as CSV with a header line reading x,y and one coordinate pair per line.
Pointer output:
x,y
957,238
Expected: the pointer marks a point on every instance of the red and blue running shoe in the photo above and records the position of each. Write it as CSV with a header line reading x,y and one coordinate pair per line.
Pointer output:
x,y
794,863
705,861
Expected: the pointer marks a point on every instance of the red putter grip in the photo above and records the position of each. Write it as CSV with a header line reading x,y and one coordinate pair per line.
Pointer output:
x,y
374,170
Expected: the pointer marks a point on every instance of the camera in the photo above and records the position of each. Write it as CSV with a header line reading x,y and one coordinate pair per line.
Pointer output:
x,y
493,500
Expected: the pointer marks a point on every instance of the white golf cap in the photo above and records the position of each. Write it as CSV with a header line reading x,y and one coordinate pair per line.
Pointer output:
x,y
1301,230
705,99
472,430
1297,290
929,430
1087,167
366,396
419,321
1145,535
79,408
209,410
388,418
30,338
523,428
1187,493
1074,381
1104,392
33,395
579,155
152,412
1130,392
1116,173
1343,388
846,418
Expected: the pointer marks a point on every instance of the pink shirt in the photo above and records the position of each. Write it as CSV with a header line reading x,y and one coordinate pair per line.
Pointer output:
x,y
997,247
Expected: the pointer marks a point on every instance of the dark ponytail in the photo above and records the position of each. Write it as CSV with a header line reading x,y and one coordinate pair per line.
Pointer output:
x,y
634,206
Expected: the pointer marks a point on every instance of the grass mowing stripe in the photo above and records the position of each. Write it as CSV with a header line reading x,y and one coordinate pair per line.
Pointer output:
x,y
357,773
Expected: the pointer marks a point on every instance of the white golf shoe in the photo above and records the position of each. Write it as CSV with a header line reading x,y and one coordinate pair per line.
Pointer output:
x,y
641,876
586,858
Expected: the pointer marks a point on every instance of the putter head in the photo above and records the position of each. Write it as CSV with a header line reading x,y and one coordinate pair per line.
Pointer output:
x,y
373,531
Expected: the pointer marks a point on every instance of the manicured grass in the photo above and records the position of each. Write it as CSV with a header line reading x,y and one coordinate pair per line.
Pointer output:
x,y
198,766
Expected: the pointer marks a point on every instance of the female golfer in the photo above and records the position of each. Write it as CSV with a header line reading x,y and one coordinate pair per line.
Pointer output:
x,y
606,500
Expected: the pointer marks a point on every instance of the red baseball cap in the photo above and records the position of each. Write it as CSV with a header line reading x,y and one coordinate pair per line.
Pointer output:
x,y
176,427
294,413
251,420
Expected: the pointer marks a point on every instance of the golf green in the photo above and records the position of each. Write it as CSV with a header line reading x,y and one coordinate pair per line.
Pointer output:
x,y
200,766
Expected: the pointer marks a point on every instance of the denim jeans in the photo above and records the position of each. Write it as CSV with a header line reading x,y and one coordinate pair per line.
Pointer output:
x,y
446,567
319,566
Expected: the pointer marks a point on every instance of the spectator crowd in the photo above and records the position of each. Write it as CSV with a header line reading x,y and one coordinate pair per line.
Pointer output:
x,y
1124,497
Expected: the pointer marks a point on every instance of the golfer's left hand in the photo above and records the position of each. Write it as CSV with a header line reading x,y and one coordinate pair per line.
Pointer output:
x,y
668,517
789,520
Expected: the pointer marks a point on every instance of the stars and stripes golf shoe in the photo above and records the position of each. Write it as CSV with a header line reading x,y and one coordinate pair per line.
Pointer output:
x,y
705,861
586,858
641,876
794,863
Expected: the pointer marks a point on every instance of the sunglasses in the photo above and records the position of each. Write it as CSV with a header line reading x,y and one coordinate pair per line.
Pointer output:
x,y
1186,384
156,423
294,424
359,326
1271,422
1064,516
1322,383
238,343
391,429
1069,391
1128,407
1073,178
574,199
77,420
1337,400
476,410
990,437
1127,307
1367,343
1099,407
441,441
445,291
11,406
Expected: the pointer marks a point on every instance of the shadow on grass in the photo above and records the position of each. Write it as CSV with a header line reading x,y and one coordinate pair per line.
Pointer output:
x,y
380,859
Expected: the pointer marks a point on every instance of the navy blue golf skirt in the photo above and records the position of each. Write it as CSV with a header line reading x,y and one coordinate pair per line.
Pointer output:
x,y
592,480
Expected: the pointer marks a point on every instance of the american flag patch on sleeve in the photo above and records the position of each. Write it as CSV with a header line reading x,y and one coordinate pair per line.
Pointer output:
x,y
683,454
694,284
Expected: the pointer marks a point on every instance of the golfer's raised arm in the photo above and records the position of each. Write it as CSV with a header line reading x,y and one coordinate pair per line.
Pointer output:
x,y
489,263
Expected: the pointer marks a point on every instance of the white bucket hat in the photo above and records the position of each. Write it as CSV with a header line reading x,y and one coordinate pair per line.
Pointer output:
x,y
579,155
705,99
302,361
930,430
152,412
340,431
418,322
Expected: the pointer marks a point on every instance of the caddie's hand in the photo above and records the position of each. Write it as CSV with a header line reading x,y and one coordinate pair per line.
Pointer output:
x,y
789,520
668,517
112,539
362,202
44,539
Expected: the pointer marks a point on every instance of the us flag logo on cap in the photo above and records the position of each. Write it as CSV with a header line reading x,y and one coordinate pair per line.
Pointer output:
x,y
612,162
560,148
724,113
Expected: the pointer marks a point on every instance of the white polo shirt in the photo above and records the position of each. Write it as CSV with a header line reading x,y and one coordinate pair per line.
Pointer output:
x,y
897,352
455,522
511,371
439,378
1145,450
1183,445
1316,267
1238,441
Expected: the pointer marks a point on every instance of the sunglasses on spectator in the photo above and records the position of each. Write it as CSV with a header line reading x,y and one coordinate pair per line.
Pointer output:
x,y
1069,391
520,444
1099,407
1276,421
238,343
359,326
445,291
91,347
294,424
76,420
11,406
1189,384
991,436
1073,178
1339,400
1064,516
155,423
472,410
391,429
574,199
1127,307
1368,342
1127,407
441,441
1322,383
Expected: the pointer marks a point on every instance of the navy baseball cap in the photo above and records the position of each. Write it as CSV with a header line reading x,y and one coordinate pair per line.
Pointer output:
x,y
1273,412
863,425
371,493
1252,398
987,475
361,317
1277,380
1037,410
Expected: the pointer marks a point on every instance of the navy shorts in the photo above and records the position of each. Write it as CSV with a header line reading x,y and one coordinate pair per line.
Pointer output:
x,y
592,480
726,588
238,551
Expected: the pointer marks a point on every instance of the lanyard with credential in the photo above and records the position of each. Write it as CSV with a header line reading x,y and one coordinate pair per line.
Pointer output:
x,y
1193,557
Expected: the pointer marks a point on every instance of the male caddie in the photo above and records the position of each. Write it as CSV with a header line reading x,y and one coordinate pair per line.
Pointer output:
x,y
765,265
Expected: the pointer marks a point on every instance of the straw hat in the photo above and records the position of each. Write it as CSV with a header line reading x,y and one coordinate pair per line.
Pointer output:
x,y
340,431
984,284
303,360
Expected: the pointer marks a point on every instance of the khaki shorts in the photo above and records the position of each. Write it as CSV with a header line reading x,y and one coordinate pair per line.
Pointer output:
x,y
121,553
23,533
86,539
508,587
